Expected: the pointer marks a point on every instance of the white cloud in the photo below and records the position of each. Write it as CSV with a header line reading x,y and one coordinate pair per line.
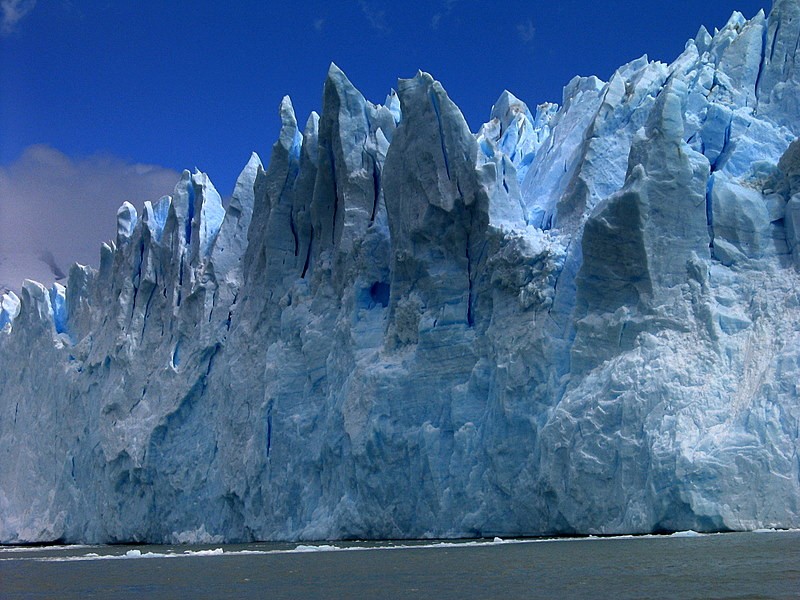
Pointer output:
x,y
375,16
56,210
319,24
447,7
12,13
526,31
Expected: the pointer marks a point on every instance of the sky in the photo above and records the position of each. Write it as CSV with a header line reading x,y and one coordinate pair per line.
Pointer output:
x,y
103,101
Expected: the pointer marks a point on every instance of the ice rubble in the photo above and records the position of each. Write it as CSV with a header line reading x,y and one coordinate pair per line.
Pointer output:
x,y
582,319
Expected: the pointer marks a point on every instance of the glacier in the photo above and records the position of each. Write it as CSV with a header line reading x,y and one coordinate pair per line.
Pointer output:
x,y
583,318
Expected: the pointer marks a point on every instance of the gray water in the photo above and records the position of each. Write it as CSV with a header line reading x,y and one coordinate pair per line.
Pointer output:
x,y
736,565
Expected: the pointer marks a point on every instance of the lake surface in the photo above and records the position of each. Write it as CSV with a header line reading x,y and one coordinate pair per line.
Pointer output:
x,y
734,565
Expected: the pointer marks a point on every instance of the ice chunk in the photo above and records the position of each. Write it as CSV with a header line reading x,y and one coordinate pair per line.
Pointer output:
x,y
9,308
126,222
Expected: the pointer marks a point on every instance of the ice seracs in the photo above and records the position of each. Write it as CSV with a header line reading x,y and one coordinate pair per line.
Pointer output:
x,y
580,319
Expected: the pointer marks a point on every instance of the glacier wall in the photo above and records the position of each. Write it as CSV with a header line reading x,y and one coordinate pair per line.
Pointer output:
x,y
582,319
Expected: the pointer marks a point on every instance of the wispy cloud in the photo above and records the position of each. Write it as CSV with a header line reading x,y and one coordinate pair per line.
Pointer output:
x,y
56,210
526,31
319,24
447,7
375,16
13,11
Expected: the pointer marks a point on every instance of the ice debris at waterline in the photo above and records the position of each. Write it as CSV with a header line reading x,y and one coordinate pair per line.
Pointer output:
x,y
583,319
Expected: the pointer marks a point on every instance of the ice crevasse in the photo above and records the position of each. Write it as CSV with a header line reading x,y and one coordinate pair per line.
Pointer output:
x,y
584,318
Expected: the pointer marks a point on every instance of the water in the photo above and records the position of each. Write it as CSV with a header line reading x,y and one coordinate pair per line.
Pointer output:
x,y
736,565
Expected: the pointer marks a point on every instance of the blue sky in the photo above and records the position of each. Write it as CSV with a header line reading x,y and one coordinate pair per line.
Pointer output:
x,y
174,85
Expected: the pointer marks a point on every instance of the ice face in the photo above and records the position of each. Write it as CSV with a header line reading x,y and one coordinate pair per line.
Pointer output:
x,y
581,319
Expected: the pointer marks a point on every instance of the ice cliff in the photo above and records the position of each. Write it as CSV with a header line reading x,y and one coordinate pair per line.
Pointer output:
x,y
583,318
